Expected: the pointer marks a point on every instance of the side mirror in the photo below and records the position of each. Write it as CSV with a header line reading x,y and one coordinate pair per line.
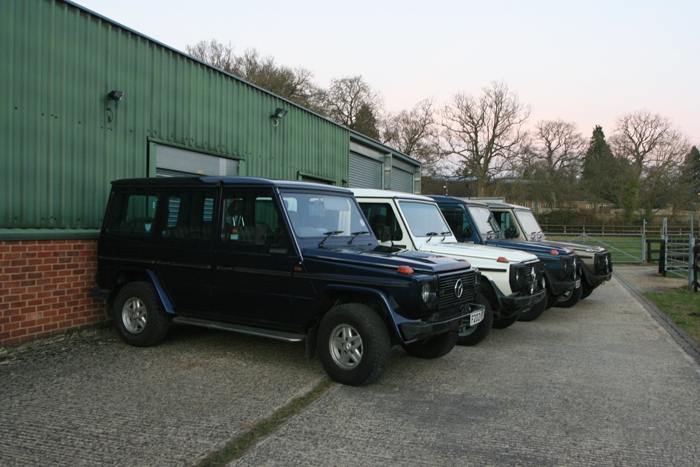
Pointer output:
x,y
385,234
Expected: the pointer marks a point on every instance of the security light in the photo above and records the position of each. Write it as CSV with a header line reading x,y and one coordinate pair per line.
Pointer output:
x,y
115,95
279,113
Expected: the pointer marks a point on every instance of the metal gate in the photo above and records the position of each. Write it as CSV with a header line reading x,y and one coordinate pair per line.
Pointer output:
x,y
623,248
678,252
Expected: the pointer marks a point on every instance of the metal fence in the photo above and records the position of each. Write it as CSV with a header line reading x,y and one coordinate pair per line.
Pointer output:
x,y
677,250
623,248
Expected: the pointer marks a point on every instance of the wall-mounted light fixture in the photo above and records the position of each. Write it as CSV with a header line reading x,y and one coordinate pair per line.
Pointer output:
x,y
279,113
115,95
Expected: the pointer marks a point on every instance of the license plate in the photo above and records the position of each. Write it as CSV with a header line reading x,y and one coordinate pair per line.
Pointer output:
x,y
476,317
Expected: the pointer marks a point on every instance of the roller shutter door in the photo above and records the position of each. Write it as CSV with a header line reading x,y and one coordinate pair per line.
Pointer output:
x,y
177,162
365,172
401,180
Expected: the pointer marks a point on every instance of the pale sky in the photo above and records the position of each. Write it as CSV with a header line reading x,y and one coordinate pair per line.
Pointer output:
x,y
582,62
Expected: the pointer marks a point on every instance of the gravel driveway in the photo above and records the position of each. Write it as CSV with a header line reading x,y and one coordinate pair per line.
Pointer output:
x,y
602,383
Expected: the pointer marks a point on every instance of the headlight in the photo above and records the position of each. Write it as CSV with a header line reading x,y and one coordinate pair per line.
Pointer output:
x,y
568,267
517,277
427,293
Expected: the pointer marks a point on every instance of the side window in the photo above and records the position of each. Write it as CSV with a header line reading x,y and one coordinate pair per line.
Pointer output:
x,y
252,220
382,220
458,222
190,215
132,214
507,224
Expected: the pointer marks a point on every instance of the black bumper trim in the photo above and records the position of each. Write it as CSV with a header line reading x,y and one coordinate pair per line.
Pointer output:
x,y
510,306
421,329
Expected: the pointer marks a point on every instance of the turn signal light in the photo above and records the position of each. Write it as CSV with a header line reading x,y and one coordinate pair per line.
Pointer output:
x,y
404,270
553,252
502,259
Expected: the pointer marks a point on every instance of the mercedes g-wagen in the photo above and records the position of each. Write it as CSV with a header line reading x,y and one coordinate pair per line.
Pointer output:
x,y
595,262
511,280
288,260
473,223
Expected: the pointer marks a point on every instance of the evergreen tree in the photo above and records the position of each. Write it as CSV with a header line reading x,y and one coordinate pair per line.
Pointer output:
x,y
603,174
692,166
365,122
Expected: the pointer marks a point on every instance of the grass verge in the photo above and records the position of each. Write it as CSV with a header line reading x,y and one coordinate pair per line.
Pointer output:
x,y
682,306
243,443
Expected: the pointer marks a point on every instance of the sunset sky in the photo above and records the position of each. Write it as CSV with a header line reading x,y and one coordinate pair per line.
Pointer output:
x,y
581,62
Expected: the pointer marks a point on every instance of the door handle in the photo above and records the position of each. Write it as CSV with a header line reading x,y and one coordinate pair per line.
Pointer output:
x,y
224,268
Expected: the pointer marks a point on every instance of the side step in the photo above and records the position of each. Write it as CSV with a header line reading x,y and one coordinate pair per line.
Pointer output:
x,y
284,336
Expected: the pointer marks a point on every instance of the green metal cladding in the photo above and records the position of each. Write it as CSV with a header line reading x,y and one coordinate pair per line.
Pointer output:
x,y
62,141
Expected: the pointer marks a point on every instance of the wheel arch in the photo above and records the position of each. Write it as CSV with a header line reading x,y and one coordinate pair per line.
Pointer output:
x,y
339,294
127,276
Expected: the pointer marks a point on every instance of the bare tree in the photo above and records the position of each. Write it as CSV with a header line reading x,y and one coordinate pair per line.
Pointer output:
x,y
294,84
554,160
483,134
648,140
656,150
347,96
414,132
214,53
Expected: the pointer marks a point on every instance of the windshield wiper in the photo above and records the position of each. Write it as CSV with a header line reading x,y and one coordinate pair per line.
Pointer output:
x,y
355,234
431,235
329,235
445,234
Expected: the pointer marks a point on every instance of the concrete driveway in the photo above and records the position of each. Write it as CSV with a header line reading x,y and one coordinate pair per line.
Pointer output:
x,y
602,383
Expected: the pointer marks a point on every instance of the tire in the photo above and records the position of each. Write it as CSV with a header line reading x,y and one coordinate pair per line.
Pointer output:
x,y
478,333
139,315
502,323
586,292
353,344
432,347
551,301
570,298
536,311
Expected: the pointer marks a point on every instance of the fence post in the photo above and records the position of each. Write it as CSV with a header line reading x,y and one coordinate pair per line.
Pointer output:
x,y
662,253
696,267
645,253
691,249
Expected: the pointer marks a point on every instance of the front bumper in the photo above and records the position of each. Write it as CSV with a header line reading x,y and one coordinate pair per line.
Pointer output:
x,y
592,280
416,330
557,288
510,306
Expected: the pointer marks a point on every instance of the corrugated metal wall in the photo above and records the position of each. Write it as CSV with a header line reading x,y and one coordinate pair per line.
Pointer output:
x,y
62,141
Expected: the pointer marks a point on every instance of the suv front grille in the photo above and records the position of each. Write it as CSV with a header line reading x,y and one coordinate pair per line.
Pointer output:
x,y
532,280
446,294
603,263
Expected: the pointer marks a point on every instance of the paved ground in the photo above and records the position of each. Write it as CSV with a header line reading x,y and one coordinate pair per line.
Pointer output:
x,y
602,383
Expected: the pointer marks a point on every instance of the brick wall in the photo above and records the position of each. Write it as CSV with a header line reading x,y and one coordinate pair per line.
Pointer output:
x,y
45,288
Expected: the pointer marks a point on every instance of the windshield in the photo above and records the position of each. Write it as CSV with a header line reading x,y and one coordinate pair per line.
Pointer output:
x,y
321,215
424,219
529,223
485,222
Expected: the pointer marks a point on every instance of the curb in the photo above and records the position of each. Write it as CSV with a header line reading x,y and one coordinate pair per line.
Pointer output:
x,y
679,335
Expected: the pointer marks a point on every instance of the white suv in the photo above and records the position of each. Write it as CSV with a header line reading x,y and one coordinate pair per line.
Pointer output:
x,y
511,279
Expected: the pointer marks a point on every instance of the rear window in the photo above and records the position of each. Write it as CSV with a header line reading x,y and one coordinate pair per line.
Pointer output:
x,y
132,214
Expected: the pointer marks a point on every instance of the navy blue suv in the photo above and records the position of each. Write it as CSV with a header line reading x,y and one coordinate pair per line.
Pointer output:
x,y
472,222
288,260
